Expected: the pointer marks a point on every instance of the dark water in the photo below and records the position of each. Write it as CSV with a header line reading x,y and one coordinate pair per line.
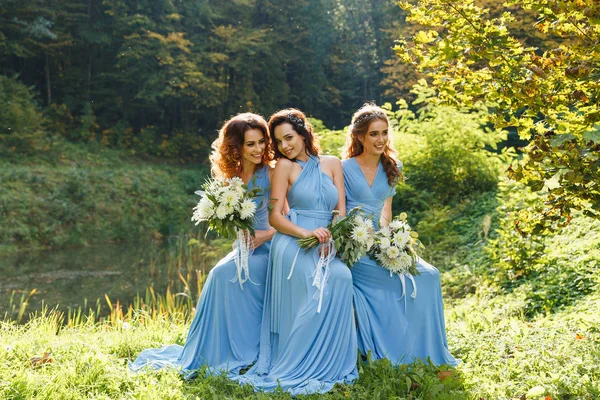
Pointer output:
x,y
67,278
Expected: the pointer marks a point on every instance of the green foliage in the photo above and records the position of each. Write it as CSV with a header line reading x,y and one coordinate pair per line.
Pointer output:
x,y
554,270
20,117
550,94
331,142
446,151
74,197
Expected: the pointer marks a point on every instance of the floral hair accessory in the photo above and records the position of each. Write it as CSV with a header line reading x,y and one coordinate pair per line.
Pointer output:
x,y
295,120
369,116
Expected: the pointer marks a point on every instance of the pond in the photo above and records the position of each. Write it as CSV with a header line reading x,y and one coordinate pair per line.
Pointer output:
x,y
78,277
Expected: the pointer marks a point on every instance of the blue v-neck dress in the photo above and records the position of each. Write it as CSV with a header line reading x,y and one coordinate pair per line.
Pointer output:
x,y
225,331
308,340
392,324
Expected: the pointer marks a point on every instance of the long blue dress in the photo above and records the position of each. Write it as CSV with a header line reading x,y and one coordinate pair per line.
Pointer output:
x,y
308,340
225,331
391,323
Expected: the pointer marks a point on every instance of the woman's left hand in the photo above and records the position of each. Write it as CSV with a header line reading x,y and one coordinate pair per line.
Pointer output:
x,y
261,237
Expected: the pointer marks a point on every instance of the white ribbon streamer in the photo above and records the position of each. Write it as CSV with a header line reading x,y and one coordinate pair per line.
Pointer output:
x,y
402,277
326,253
243,248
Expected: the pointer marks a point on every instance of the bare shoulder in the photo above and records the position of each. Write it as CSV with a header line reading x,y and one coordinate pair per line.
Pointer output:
x,y
284,164
332,161
270,170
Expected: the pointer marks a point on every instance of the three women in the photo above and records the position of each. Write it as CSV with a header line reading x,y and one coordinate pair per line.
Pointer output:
x,y
303,308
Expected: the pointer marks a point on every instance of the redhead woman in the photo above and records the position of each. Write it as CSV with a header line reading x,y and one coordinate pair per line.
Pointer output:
x,y
392,323
308,341
224,335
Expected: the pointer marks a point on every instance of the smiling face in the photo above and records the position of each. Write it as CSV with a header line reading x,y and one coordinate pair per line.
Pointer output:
x,y
291,144
254,146
376,138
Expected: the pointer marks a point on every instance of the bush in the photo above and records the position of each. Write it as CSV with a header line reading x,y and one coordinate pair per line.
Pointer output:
x,y
331,142
552,270
447,151
20,117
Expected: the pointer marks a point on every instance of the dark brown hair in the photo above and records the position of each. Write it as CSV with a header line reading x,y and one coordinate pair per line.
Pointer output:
x,y
361,120
226,157
300,124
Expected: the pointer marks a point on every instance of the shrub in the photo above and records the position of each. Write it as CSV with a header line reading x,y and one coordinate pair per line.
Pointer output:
x,y
447,151
20,117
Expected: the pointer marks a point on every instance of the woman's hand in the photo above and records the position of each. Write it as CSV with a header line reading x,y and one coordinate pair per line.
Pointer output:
x,y
322,234
261,237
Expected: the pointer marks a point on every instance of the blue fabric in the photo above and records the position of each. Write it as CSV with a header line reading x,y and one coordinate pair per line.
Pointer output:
x,y
303,350
225,331
392,326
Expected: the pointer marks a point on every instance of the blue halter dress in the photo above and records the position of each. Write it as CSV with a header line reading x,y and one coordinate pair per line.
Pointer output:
x,y
308,340
225,331
392,324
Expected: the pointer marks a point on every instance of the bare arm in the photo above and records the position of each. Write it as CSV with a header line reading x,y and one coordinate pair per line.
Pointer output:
x,y
338,181
262,236
386,212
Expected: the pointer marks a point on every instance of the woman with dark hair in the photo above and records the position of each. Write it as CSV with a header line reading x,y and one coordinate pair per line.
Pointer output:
x,y
391,324
308,339
225,331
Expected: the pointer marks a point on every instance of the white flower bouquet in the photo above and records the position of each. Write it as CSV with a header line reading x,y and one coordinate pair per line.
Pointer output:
x,y
396,247
351,235
227,208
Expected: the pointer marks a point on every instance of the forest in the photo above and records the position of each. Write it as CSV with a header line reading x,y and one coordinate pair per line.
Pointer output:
x,y
108,109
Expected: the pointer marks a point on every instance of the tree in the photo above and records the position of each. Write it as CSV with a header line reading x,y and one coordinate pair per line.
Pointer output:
x,y
550,94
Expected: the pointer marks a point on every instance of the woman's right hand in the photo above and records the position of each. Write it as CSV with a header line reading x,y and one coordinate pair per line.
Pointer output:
x,y
322,234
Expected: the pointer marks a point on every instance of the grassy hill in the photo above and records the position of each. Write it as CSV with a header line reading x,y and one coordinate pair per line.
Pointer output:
x,y
71,196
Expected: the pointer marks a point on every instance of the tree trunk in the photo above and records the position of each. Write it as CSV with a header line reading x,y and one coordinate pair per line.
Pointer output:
x,y
89,49
48,83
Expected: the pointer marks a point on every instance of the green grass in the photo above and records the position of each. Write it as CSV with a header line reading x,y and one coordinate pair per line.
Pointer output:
x,y
71,196
505,355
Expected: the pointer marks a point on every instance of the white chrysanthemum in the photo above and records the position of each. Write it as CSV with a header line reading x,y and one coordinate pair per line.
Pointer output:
x,y
364,222
230,197
384,243
401,239
222,211
236,182
396,225
360,234
392,252
404,261
204,210
370,243
385,232
247,209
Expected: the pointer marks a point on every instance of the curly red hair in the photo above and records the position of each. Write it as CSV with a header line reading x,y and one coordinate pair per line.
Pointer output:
x,y
226,157
361,120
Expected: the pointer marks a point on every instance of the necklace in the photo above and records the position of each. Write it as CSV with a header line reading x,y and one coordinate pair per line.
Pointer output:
x,y
364,165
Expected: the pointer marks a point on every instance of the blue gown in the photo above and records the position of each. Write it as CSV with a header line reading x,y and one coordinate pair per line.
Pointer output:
x,y
225,331
392,324
303,348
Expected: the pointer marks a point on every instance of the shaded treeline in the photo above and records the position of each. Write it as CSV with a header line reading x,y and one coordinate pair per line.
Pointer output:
x,y
147,73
